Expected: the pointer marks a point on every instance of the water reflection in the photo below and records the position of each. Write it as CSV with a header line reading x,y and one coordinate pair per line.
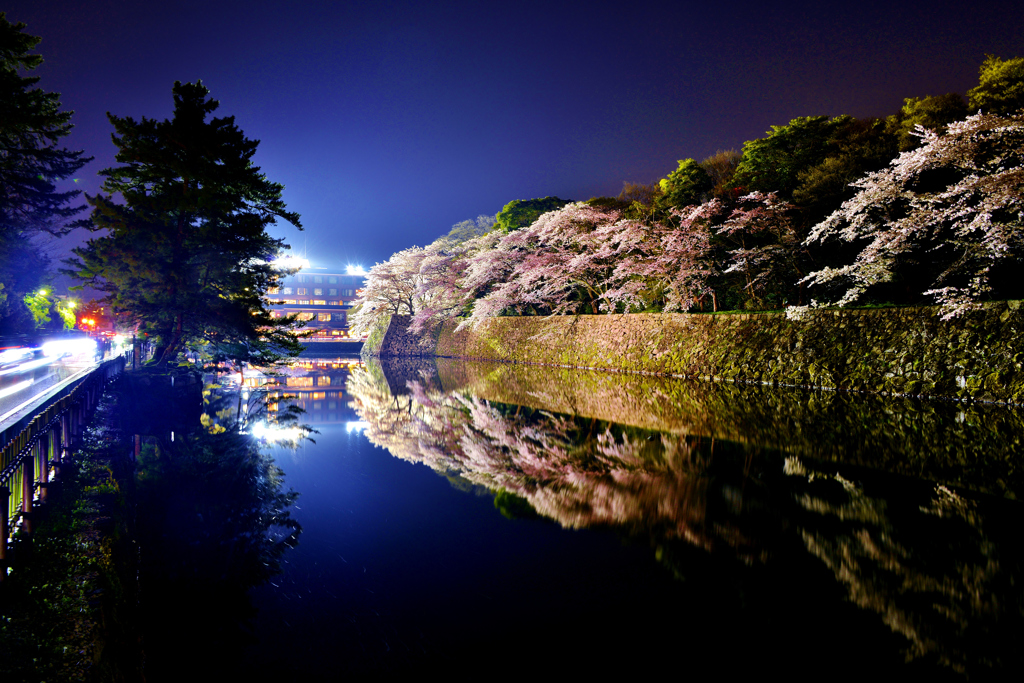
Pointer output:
x,y
213,520
891,498
317,386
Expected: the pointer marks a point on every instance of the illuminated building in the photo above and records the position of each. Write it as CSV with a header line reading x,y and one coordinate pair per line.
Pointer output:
x,y
321,298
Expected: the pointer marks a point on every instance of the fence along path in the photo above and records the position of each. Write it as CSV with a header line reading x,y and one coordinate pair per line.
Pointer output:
x,y
38,439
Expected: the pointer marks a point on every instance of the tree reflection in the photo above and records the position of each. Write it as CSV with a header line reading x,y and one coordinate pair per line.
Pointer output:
x,y
213,521
940,569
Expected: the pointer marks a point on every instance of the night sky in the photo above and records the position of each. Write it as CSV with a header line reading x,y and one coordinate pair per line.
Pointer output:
x,y
387,122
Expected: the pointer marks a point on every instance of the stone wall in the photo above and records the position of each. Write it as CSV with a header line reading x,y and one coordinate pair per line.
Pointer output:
x,y
391,338
908,351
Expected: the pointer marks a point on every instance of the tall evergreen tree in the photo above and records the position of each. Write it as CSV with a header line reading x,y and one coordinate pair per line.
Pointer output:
x,y
31,162
186,256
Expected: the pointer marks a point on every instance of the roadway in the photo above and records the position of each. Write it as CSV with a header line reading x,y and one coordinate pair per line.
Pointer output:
x,y
23,384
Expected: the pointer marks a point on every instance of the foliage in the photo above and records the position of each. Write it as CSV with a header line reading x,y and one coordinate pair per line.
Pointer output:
x,y
773,163
66,310
1000,88
929,112
521,213
31,127
43,308
31,163
38,303
721,167
950,211
688,184
468,229
185,255
639,193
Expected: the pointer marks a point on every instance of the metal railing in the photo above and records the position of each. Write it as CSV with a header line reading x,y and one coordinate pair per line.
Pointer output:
x,y
37,444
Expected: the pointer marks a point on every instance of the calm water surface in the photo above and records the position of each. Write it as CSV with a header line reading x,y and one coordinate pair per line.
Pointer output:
x,y
478,519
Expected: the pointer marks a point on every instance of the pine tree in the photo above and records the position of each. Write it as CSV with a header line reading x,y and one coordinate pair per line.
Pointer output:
x,y
186,257
31,162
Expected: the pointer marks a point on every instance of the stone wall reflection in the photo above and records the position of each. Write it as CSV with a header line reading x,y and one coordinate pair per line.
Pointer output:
x,y
749,472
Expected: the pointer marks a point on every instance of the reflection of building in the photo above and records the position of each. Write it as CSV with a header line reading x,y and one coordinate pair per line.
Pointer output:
x,y
322,300
318,387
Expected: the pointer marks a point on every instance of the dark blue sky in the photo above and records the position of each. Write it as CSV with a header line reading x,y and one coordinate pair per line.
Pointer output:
x,y
387,122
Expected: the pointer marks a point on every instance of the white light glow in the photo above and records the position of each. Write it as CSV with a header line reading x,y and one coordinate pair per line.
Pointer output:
x,y
354,270
356,426
275,434
15,388
69,347
291,263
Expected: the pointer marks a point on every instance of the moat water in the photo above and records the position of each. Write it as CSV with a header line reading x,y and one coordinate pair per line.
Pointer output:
x,y
474,519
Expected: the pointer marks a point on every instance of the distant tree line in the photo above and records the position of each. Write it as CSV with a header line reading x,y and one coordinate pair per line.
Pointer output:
x,y
922,206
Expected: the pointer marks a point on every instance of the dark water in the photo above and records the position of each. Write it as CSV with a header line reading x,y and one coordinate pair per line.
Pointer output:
x,y
554,523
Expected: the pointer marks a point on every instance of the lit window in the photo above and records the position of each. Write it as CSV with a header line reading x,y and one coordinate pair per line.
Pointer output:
x,y
304,302
305,316
323,317
287,290
319,302
333,291
302,290
290,301
273,290
318,292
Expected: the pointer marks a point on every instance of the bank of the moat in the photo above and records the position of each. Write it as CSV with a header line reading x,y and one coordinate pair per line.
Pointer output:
x,y
907,351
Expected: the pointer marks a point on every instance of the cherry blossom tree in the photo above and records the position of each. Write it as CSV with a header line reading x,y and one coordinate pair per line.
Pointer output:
x,y
765,245
389,289
956,203
559,264
666,265
584,258
441,289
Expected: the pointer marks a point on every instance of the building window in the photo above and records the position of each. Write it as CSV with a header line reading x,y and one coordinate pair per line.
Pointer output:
x,y
319,302
302,278
318,279
305,316
303,302
318,292
273,290
334,303
290,301
323,317
302,290
287,290
333,291
332,280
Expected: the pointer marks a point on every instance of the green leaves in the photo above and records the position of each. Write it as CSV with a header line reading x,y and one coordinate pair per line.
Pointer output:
x,y
1000,87
186,256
